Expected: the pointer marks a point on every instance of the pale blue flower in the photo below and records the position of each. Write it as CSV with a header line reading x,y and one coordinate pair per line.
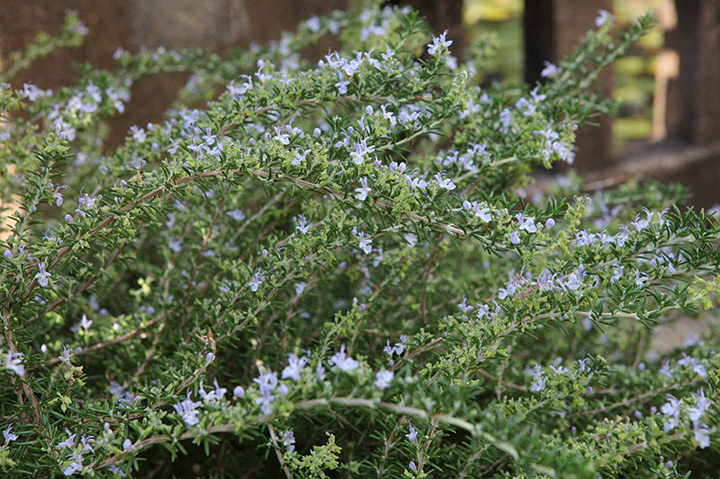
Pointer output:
x,y
480,209
383,378
265,403
550,70
58,195
267,381
362,150
444,183
365,243
300,156
342,84
74,466
525,106
188,410
617,274
464,306
138,134
482,311
573,281
43,276
313,24
209,138
85,323
85,441
294,368
538,379
69,442
9,436
281,137
85,203
438,42
256,281
537,96
237,215
506,120
700,370
116,470
702,435
388,115
289,440
363,191
212,396
14,363
65,356
302,226
603,17
640,224
640,279
343,361
239,391
175,244
672,409
412,435
526,223
320,372
702,403
665,370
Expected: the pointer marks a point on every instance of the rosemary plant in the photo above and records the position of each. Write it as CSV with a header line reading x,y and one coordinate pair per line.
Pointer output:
x,y
331,269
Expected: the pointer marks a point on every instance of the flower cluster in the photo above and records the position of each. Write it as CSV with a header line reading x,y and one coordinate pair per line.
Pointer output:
x,y
673,408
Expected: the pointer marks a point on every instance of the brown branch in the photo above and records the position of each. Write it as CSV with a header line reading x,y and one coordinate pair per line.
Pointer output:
x,y
494,466
26,386
388,444
300,406
423,304
119,339
279,455
417,351
83,287
149,353
472,459
423,453
632,400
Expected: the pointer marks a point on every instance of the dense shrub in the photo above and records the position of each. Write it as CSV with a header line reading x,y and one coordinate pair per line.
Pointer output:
x,y
331,268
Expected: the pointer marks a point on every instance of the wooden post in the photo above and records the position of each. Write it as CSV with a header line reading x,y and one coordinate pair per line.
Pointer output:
x,y
693,101
667,68
553,28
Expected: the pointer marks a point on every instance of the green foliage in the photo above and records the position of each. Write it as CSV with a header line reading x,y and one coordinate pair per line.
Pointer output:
x,y
343,252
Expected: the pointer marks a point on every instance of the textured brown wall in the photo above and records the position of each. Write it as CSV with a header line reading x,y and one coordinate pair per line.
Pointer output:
x,y
216,25
444,15
22,20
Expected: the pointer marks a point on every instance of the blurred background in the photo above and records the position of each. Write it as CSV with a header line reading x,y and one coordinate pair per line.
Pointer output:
x,y
668,127
634,83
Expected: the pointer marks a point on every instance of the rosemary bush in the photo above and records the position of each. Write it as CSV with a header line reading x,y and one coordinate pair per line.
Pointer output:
x,y
330,268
